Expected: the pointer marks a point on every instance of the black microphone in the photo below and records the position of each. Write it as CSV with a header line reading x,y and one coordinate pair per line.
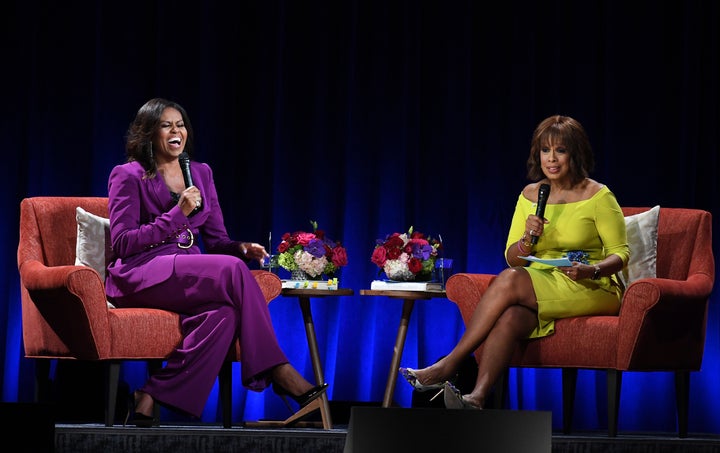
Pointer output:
x,y
185,167
543,194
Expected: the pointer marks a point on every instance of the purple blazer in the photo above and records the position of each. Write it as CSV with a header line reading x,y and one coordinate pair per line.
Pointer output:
x,y
147,227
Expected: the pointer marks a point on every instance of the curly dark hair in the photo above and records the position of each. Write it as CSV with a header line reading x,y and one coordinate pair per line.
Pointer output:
x,y
138,145
572,135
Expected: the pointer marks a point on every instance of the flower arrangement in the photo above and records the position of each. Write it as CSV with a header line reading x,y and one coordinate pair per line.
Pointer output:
x,y
313,253
407,256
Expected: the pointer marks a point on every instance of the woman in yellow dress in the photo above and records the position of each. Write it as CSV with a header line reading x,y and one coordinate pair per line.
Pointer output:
x,y
579,219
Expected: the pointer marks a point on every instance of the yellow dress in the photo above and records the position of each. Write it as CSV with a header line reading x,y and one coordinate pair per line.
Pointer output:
x,y
595,226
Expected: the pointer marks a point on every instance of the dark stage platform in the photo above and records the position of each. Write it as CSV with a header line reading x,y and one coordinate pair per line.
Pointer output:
x,y
80,438
367,429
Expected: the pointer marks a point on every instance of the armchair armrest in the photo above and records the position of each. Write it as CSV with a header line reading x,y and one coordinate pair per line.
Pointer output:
x,y
69,303
662,324
270,284
466,290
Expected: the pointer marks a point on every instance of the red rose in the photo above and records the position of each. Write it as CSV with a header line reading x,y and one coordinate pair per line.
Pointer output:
x,y
393,254
304,238
339,256
284,245
394,242
379,256
418,241
414,265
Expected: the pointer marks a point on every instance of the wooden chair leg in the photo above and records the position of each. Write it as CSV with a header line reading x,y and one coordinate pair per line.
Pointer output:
x,y
682,398
112,371
614,381
502,389
153,367
569,383
43,382
225,383
295,418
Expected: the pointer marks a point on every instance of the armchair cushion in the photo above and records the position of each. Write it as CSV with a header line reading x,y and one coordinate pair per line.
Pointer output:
x,y
93,241
93,248
642,231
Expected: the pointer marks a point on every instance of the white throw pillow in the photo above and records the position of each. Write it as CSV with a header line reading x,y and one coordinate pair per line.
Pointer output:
x,y
93,247
642,230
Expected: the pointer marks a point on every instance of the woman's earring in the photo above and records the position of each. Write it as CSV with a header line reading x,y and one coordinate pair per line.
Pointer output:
x,y
151,153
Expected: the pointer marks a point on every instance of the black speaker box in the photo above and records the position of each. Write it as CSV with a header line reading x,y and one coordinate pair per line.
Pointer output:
x,y
393,430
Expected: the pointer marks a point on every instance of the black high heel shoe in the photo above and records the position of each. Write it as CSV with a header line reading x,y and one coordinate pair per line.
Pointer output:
x,y
134,418
304,399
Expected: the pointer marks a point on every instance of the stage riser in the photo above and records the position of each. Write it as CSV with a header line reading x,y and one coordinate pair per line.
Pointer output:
x,y
193,439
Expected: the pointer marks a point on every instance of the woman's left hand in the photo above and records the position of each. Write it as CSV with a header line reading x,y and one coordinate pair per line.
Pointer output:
x,y
577,271
254,251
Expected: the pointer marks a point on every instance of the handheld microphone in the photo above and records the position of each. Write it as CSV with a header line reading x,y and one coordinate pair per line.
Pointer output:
x,y
185,167
543,194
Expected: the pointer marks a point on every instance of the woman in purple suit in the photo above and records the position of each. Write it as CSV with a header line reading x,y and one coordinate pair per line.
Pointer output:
x,y
155,222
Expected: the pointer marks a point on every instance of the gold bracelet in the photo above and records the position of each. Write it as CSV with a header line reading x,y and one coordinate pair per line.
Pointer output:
x,y
525,242
524,247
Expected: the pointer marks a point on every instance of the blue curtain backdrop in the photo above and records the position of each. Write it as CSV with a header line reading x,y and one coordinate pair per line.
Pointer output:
x,y
370,117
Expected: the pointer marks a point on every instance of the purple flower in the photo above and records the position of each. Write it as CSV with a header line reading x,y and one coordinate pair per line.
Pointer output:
x,y
422,252
316,248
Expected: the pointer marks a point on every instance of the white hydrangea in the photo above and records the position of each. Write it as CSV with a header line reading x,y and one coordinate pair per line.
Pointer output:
x,y
398,269
309,264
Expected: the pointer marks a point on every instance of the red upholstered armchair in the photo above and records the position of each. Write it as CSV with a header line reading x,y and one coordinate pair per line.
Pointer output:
x,y
64,310
661,325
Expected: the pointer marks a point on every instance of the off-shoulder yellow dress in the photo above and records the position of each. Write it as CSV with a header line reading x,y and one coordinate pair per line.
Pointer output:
x,y
595,226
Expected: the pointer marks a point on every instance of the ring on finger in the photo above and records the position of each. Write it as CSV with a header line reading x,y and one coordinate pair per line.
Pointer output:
x,y
197,203
532,232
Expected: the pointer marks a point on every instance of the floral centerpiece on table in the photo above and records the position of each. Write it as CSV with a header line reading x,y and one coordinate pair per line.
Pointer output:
x,y
406,257
312,253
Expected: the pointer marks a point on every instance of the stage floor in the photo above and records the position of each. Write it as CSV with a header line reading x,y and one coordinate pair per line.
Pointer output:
x,y
201,438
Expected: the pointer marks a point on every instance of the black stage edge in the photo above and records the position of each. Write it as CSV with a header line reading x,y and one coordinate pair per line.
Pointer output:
x,y
87,438
36,428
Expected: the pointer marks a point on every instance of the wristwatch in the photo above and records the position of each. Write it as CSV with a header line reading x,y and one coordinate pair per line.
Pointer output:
x,y
596,275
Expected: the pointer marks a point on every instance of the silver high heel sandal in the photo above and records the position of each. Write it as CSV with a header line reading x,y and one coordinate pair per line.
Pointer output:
x,y
454,399
412,379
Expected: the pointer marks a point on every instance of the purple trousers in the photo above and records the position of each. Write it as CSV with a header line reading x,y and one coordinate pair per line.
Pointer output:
x,y
219,300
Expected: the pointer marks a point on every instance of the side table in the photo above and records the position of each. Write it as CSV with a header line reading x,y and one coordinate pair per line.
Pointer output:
x,y
304,296
409,298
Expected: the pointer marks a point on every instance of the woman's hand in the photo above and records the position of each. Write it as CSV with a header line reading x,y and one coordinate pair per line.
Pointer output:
x,y
578,271
190,199
534,225
254,251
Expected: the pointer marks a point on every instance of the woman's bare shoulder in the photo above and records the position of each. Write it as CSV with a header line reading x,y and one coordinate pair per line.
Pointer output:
x,y
592,187
531,191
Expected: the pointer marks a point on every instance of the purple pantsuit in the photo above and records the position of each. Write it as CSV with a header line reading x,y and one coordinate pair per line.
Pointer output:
x,y
215,293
